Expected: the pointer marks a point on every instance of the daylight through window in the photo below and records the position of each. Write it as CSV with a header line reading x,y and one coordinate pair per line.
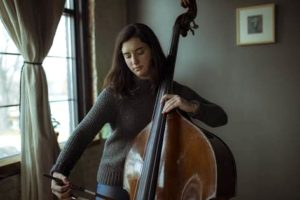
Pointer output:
x,y
60,68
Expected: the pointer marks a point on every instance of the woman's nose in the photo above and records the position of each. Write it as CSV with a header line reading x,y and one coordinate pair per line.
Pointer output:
x,y
134,59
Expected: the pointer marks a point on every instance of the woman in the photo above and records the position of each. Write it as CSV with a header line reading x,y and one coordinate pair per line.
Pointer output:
x,y
126,103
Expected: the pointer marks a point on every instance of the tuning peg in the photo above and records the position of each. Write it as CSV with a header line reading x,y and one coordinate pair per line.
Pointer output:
x,y
194,25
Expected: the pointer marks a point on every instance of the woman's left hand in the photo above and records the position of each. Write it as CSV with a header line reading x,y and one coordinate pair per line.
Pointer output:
x,y
175,101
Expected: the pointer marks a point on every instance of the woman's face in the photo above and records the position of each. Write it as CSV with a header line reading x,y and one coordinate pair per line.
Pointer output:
x,y
137,56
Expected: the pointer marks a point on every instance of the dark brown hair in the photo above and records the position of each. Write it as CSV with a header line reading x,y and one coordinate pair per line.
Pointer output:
x,y
120,78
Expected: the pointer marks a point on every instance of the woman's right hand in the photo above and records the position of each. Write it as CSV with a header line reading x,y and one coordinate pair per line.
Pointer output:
x,y
63,192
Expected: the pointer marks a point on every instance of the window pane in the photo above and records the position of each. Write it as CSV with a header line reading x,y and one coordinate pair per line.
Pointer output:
x,y
7,44
59,73
61,94
69,4
60,70
10,69
62,118
10,138
63,40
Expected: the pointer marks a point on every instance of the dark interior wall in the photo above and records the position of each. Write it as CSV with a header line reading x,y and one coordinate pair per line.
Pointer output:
x,y
257,85
110,17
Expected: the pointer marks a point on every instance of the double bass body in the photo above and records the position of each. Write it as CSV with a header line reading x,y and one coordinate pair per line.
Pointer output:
x,y
193,165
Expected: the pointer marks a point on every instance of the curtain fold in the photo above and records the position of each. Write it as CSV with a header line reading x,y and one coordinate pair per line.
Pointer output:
x,y
32,25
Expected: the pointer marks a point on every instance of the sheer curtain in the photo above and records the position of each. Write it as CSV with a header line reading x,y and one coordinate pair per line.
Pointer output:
x,y
32,25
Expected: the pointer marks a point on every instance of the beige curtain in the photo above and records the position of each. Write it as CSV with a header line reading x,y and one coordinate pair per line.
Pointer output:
x,y
32,25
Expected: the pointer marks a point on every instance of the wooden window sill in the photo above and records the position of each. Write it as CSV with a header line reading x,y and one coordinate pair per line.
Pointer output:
x,y
11,166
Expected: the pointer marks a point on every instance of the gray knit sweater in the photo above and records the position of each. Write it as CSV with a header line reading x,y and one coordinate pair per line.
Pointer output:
x,y
127,117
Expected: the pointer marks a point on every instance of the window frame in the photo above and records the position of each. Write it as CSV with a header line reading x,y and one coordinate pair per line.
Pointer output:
x,y
83,68
83,59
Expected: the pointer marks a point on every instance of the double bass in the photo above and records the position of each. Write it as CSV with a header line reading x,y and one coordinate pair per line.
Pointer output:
x,y
172,158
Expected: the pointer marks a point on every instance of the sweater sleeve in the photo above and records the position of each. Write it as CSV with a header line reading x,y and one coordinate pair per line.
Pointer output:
x,y
207,112
102,112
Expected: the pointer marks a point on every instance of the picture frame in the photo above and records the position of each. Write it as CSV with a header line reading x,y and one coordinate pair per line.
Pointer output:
x,y
255,24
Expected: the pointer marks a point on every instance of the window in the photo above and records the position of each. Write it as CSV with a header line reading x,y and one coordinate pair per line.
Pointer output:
x,y
60,70
10,68
64,73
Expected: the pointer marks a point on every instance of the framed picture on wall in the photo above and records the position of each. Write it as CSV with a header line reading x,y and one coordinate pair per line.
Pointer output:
x,y
255,24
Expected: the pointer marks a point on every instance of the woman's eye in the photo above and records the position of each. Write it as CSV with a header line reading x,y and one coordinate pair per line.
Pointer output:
x,y
126,56
140,51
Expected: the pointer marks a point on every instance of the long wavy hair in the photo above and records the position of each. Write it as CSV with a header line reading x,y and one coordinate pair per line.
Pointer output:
x,y
120,79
